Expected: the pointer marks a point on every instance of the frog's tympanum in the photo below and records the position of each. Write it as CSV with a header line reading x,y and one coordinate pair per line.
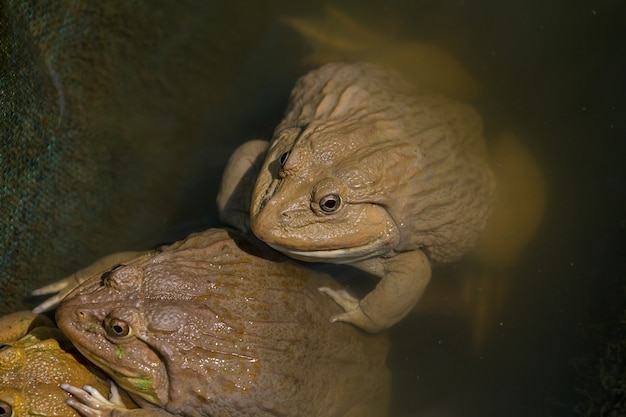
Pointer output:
x,y
32,368
365,169
220,325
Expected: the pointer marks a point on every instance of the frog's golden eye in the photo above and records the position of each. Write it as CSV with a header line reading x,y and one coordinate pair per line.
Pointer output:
x,y
283,158
5,409
330,203
116,327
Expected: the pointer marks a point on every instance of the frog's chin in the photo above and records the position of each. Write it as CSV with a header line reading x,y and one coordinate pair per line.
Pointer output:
x,y
335,256
132,383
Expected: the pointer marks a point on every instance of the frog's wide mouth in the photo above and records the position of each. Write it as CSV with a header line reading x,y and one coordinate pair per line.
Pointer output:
x,y
132,382
336,256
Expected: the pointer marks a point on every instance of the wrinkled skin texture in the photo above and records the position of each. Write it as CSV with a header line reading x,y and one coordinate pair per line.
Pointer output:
x,y
365,169
521,197
31,369
220,325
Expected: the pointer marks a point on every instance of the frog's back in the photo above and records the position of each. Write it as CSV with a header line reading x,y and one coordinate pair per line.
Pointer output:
x,y
434,178
241,331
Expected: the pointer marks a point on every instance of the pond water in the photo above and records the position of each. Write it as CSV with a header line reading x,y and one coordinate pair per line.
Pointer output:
x,y
553,73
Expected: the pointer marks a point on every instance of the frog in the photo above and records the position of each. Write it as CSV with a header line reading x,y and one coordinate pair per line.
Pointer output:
x,y
368,170
34,364
17,325
219,324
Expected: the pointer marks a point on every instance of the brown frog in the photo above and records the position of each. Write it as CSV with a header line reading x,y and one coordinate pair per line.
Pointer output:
x,y
17,325
33,366
365,169
522,191
220,325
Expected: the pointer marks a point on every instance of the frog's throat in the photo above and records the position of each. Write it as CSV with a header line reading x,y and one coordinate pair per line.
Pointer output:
x,y
129,381
336,256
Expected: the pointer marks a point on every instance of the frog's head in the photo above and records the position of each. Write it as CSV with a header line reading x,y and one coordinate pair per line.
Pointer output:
x,y
328,192
104,320
154,326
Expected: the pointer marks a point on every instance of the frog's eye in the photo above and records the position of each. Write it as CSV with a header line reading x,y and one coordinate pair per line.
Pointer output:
x,y
2,347
5,409
116,327
330,203
283,158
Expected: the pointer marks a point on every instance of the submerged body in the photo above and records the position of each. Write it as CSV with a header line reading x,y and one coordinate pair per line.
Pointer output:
x,y
219,325
366,170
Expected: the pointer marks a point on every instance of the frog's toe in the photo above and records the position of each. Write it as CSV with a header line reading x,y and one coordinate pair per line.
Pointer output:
x,y
354,314
341,297
358,318
61,287
89,402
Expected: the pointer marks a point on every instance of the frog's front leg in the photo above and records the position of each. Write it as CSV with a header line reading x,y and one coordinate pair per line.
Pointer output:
x,y
64,286
402,285
89,402
233,198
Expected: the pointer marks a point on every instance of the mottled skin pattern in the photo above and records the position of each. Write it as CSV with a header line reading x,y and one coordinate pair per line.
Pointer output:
x,y
220,325
17,325
31,369
364,169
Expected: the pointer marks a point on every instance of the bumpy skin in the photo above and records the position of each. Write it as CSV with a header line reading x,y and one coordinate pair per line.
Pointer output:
x,y
17,325
220,325
31,369
364,169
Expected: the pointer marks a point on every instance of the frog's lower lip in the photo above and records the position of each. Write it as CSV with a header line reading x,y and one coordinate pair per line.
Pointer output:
x,y
338,256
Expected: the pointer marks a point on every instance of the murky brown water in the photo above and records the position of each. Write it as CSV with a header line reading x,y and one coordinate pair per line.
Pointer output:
x,y
554,75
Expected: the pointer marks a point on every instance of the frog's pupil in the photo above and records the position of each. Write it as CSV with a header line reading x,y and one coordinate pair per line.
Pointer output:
x,y
283,158
5,409
330,203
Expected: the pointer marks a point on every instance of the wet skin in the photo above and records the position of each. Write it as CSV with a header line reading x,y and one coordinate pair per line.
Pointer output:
x,y
365,169
220,325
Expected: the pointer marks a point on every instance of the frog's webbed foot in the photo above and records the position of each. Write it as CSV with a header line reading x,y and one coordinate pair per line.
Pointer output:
x,y
402,285
233,198
64,286
89,402
350,304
